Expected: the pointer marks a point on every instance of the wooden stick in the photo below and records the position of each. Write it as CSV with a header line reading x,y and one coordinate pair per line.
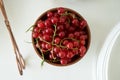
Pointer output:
x,y
19,59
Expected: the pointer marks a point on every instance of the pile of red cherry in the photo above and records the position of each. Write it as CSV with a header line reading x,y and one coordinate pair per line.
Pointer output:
x,y
60,36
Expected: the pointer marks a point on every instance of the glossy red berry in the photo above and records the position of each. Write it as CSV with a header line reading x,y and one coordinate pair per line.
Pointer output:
x,y
83,24
54,20
48,46
43,45
56,49
65,42
49,14
60,28
48,23
61,34
36,29
61,10
57,40
82,50
49,31
62,54
41,25
70,45
75,22
71,35
35,35
82,42
63,61
70,54
46,37
76,44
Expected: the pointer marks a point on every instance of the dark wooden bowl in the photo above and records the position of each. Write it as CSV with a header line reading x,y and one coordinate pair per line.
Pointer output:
x,y
77,58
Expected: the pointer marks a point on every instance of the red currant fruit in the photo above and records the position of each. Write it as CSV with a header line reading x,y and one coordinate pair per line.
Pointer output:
x,y
57,40
35,35
82,50
54,20
75,22
83,23
46,37
62,54
76,44
63,61
41,24
70,45
49,14
65,42
61,10
61,34
70,54
48,23
48,46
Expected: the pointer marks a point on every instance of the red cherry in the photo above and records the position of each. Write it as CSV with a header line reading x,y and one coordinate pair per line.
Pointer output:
x,y
46,37
82,50
60,27
77,34
75,22
57,40
71,35
41,24
35,35
76,44
43,45
56,49
83,24
56,15
48,46
49,14
65,42
61,10
36,29
54,20
49,31
70,54
70,45
48,23
82,42
63,61
61,34
62,54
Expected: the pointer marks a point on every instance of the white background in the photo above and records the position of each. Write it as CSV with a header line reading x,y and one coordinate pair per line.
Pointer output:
x,y
101,15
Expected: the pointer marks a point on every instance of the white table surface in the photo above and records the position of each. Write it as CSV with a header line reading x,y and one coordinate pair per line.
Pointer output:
x,y
101,15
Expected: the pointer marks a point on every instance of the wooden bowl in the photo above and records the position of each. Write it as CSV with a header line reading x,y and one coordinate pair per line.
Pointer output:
x,y
86,31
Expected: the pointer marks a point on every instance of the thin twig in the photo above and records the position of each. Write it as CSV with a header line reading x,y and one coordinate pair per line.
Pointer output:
x,y
19,58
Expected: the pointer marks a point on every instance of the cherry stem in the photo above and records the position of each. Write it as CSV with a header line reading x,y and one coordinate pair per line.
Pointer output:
x,y
29,28
53,39
43,58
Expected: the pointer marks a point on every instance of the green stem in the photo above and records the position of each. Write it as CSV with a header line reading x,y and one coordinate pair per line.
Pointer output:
x,y
43,58
54,34
29,28
53,39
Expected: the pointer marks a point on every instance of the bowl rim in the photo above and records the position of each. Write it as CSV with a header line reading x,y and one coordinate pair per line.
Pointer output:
x,y
88,33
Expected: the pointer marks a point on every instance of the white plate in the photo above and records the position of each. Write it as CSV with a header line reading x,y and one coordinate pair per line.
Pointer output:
x,y
108,61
